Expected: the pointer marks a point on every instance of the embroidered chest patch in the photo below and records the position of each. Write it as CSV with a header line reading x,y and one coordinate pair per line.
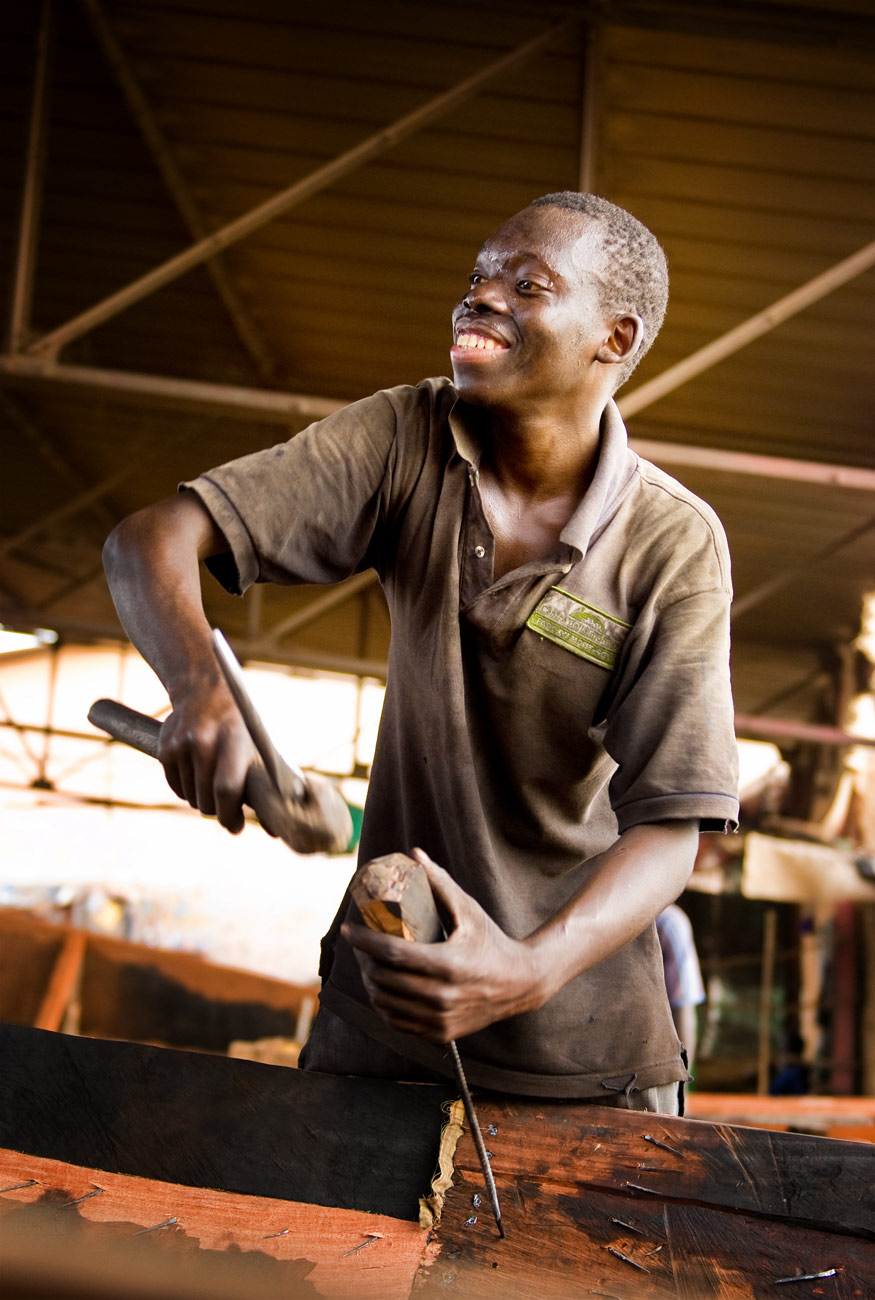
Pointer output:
x,y
583,629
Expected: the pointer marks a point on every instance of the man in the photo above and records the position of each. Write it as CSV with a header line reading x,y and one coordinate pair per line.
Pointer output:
x,y
557,723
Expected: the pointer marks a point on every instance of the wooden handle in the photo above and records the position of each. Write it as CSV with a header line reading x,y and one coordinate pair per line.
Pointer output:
x,y
394,896
318,822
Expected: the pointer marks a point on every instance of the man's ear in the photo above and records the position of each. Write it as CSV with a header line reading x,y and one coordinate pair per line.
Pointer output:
x,y
624,339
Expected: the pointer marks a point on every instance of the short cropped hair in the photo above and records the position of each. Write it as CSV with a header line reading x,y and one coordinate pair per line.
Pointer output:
x,y
637,267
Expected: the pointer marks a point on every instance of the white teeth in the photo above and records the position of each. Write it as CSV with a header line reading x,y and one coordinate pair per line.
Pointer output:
x,y
479,342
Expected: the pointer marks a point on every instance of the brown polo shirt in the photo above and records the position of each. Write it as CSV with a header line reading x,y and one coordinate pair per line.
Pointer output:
x,y
527,721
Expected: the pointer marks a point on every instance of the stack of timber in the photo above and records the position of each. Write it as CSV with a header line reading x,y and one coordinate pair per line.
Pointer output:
x,y
137,1172
55,976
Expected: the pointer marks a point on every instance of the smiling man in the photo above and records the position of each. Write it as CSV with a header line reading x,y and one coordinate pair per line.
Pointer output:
x,y
558,723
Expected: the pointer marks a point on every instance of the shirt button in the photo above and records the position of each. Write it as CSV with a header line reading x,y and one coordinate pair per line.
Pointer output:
x,y
479,551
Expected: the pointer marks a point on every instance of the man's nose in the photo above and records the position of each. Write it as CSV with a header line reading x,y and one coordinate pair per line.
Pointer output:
x,y
485,295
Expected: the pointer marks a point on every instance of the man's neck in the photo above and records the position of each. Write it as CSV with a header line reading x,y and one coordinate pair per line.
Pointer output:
x,y
541,455
533,476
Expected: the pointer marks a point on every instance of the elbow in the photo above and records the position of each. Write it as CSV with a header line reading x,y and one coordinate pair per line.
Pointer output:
x,y
118,549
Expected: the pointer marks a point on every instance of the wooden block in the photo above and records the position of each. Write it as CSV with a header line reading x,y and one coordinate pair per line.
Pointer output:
x,y
209,1121
394,896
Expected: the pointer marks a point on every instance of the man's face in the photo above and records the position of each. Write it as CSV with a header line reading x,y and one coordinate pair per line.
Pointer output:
x,y
529,326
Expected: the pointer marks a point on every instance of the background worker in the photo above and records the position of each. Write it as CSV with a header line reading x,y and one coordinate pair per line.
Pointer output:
x,y
558,722
683,975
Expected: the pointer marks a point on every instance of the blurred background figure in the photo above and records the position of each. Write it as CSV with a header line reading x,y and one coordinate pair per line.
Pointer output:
x,y
683,975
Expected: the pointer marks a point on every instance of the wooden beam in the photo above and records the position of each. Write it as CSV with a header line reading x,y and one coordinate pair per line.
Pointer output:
x,y
64,981
211,1121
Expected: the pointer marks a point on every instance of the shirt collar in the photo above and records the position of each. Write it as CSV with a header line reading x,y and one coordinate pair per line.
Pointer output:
x,y
614,468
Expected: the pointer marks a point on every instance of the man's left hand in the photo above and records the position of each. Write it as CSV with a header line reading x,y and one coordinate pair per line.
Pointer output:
x,y
441,991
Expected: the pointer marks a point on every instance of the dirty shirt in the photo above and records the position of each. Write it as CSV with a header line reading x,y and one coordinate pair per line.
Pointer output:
x,y
527,721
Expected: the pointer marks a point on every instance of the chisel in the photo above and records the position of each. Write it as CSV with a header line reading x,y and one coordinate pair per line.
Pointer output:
x,y
394,896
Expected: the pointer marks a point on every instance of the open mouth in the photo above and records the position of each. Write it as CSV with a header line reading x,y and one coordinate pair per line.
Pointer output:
x,y
470,343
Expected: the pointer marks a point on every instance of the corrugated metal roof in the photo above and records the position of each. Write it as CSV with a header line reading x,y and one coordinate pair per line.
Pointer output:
x,y
743,134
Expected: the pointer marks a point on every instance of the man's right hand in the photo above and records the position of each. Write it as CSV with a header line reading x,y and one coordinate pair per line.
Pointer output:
x,y
206,752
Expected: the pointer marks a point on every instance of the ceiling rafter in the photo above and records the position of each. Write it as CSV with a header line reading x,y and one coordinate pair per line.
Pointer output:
x,y
31,199
50,344
248,332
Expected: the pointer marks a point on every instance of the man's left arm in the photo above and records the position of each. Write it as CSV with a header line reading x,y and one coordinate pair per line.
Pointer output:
x,y
481,975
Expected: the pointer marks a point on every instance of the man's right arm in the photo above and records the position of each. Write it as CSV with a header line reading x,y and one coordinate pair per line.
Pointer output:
x,y
152,561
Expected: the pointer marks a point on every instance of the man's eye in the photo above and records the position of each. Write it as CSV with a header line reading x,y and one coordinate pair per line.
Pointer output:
x,y
476,277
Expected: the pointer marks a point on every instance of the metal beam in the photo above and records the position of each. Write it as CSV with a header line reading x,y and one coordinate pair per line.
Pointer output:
x,y
25,261
742,462
591,59
23,618
753,328
280,408
802,570
220,399
248,333
779,729
286,199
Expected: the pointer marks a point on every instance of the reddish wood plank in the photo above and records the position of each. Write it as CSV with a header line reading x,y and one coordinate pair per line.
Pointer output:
x,y
316,1244
791,1177
837,1117
565,1241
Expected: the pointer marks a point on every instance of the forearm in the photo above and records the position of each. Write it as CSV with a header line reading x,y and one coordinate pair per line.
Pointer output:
x,y
631,883
152,563
480,974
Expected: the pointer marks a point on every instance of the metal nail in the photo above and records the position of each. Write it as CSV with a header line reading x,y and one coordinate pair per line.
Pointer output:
x,y
372,1237
166,1224
637,1188
656,1142
285,1232
806,1277
630,1226
626,1260
31,1182
86,1197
